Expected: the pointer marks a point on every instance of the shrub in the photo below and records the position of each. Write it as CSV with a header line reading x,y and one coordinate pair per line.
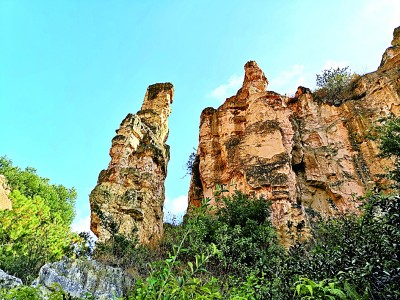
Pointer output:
x,y
388,134
168,279
36,230
334,85
242,231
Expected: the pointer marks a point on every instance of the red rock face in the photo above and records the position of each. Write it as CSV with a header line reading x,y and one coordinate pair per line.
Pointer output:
x,y
131,191
298,152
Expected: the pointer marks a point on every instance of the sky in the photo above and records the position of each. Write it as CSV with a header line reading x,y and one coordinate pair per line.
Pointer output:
x,y
71,70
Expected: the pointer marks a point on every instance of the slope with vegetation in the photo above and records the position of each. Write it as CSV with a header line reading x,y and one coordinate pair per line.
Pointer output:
x,y
228,250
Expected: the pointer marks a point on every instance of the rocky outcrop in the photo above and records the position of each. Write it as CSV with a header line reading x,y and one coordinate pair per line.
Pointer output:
x,y
131,191
8,282
5,202
79,278
298,152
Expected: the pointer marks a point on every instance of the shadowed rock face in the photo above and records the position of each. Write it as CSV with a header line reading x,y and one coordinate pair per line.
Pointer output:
x,y
297,152
131,191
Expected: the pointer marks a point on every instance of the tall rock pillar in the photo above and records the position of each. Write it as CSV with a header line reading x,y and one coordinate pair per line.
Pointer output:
x,y
131,191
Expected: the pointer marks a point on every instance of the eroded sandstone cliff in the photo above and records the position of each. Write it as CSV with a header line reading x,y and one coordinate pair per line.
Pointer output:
x,y
298,152
5,202
131,191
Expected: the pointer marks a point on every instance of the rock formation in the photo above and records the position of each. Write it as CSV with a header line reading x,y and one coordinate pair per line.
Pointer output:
x,y
131,191
5,202
81,277
298,152
8,282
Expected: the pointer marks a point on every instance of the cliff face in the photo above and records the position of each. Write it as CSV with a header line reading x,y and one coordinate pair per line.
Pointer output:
x,y
5,202
131,191
298,152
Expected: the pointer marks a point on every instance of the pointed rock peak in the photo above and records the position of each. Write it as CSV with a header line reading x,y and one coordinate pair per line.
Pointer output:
x,y
391,56
157,102
157,90
396,37
254,78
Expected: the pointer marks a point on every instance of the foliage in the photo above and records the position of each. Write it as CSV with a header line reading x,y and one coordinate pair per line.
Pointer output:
x,y
21,293
334,85
359,250
190,162
388,134
242,231
362,250
35,231
24,292
85,247
168,280
307,289
58,198
233,253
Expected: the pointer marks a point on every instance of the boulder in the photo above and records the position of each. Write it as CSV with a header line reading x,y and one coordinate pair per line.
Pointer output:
x,y
82,277
7,281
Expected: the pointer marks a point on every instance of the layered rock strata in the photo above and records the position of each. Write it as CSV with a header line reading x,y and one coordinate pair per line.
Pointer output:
x,y
298,152
131,192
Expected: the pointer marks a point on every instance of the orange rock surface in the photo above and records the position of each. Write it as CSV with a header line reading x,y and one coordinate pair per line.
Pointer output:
x,y
131,191
298,152
5,202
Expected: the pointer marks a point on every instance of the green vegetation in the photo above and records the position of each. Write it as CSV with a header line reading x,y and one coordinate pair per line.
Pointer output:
x,y
231,252
37,229
388,135
334,85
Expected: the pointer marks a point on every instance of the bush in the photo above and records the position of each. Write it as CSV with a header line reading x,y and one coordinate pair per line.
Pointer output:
x,y
36,230
388,134
242,231
361,250
169,279
334,85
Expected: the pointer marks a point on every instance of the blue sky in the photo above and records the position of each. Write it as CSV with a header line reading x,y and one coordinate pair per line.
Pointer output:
x,y
70,71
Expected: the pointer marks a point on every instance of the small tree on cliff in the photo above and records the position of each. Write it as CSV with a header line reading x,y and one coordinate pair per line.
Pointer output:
x,y
334,85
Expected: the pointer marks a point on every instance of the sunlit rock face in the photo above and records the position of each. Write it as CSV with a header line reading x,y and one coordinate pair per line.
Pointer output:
x,y
5,202
131,191
298,152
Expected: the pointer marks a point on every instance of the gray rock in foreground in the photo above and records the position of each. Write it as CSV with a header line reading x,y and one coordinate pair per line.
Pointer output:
x,y
7,281
79,277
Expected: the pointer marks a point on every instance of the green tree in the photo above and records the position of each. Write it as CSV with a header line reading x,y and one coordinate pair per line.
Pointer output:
x,y
36,230
58,198
334,85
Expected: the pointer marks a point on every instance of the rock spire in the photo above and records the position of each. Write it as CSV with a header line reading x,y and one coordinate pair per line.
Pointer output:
x,y
131,191
298,152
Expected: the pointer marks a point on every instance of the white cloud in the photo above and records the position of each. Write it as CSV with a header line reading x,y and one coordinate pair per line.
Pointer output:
x,y
175,208
228,89
81,224
287,81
